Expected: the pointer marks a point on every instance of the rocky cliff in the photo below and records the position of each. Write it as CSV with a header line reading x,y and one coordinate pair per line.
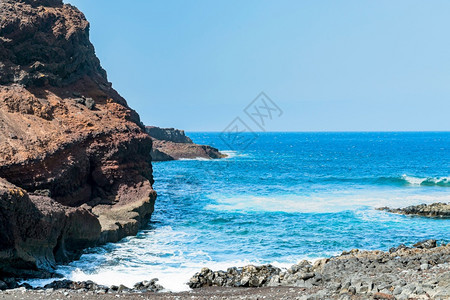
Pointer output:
x,y
168,134
75,163
173,144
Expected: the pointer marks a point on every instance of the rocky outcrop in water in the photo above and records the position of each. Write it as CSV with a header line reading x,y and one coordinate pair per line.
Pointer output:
x,y
435,210
173,144
75,163
422,272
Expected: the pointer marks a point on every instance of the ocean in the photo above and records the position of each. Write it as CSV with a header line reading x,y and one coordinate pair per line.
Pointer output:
x,y
284,198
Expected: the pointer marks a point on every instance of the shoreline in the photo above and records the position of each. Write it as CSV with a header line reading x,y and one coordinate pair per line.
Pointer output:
x,y
422,271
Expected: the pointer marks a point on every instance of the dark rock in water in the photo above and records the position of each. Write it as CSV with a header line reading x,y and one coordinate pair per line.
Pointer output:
x,y
426,244
173,144
435,210
76,151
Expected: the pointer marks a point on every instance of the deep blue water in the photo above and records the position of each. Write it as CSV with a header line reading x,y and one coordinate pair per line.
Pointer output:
x,y
286,197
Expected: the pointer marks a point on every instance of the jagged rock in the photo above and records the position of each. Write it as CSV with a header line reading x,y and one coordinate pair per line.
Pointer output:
x,y
173,144
74,157
353,275
248,276
435,210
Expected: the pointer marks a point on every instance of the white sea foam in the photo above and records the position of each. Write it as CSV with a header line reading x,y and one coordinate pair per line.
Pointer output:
x,y
233,154
229,153
171,278
324,203
158,254
416,181
197,158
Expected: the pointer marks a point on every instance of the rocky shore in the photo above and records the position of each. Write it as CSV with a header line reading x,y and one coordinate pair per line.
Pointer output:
x,y
75,168
422,272
435,210
173,144
418,272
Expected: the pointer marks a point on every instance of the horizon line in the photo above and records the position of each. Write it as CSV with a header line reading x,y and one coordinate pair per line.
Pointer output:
x,y
326,131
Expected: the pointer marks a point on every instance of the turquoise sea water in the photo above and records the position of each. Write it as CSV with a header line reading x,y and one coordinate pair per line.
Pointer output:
x,y
286,197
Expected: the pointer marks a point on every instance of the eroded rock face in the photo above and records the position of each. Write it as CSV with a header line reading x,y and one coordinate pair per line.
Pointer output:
x,y
45,42
36,230
68,141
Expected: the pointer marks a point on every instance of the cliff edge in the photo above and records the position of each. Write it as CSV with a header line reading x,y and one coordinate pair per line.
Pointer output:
x,y
75,167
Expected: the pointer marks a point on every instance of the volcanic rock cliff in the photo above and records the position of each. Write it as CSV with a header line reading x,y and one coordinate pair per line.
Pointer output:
x,y
75,166
173,144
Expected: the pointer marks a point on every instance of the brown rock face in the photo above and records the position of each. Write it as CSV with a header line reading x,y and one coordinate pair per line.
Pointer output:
x,y
68,141
45,42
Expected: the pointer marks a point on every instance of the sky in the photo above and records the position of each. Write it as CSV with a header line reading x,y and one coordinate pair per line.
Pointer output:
x,y
328,65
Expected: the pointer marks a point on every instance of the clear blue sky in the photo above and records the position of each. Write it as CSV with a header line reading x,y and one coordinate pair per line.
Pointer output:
x,y
329,65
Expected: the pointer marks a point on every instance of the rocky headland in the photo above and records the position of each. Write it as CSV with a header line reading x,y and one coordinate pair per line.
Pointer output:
x,y
75,168
173,144
434,210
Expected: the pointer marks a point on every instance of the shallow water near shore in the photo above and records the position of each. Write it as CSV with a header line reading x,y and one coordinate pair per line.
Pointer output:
x,y
287,197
